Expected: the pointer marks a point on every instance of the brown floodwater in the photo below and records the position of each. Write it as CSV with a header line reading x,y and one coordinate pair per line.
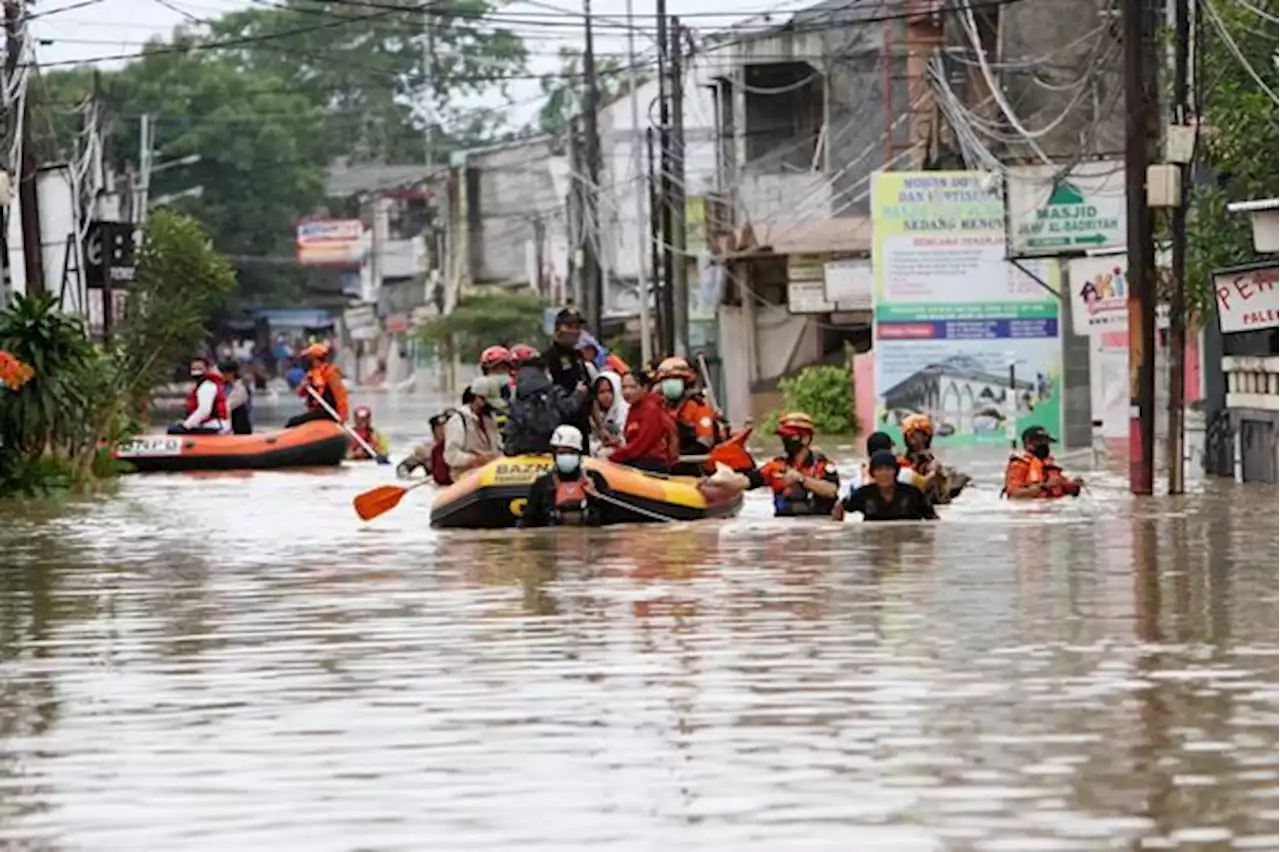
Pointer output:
x,y
236,662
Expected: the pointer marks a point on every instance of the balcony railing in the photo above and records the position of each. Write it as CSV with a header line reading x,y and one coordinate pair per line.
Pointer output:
x,y
1252,382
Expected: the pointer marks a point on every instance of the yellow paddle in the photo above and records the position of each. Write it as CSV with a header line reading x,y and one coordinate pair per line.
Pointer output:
x,y
384,498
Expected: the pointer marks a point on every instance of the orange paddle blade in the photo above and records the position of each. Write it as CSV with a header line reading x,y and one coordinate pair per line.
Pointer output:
x,y
732,453
377,501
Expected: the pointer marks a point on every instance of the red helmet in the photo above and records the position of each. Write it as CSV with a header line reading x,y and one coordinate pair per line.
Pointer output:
x,y
495,355
524,352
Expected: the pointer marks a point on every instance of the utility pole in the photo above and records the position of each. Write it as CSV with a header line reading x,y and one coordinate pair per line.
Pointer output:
x,y
680,283
146,144
593,277
664,185
642,279
28,189
655,226
1142,131
1178,232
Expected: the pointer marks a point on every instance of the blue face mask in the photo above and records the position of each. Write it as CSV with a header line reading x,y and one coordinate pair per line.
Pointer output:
x,y
568,463
673,388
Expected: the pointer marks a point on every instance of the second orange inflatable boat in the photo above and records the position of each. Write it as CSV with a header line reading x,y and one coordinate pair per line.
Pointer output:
x,y
315,444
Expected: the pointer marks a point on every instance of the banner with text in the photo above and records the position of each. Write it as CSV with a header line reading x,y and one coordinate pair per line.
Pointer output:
x,y
952,315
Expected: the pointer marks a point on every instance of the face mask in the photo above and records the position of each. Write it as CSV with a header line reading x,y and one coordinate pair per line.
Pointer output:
x,y
1040,451
673,388
568,463
792,445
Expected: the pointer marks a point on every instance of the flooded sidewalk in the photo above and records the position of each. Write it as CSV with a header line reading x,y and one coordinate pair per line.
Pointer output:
x,y
234,661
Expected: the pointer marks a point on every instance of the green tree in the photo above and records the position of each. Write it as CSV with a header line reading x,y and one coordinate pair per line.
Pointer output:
x,y
564,90
823,392
483,320
1238,142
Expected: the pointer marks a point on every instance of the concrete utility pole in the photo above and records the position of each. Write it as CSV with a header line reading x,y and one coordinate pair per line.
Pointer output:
x,y
637,172
1178,231
428,86
593,275
680,283
655,226
1142,132
664,185
28,189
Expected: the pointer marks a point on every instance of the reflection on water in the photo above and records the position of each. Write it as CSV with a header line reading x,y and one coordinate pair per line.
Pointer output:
x,y
235,662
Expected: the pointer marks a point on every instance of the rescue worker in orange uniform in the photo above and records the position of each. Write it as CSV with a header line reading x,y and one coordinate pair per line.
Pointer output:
x,y
804,481
940,483
325,379
207,410
363,426
698,425
499,360
568,494
1032,474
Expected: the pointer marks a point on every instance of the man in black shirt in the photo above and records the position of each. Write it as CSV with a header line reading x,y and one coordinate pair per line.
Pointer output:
x,y
567,367
886,498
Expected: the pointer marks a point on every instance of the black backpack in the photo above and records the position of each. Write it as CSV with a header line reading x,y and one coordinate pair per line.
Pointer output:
x,y
531,421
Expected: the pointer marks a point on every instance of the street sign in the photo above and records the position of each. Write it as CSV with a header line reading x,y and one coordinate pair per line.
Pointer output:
x,y
1051,213
109,255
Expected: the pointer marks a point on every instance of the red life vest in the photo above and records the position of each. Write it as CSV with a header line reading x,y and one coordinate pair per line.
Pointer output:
x,y
219,411
570,506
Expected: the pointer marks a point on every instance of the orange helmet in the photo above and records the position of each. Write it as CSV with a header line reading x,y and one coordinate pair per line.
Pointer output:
x,y
316,350
795,423
675,368
495,355
917,423
524,352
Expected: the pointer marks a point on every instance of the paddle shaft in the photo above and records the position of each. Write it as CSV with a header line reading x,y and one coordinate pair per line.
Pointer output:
x,y
373,454
706,383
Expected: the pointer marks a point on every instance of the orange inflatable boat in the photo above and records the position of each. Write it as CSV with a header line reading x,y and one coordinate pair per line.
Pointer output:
x,y
314,444
494,496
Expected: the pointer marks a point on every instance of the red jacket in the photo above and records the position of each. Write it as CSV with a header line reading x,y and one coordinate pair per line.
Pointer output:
x,y
650,433
220,411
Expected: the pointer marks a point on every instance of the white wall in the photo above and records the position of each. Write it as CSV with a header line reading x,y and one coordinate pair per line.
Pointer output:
x,y
619,138
57,219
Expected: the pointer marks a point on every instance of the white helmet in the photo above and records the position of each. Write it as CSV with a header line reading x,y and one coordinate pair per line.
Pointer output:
x,y
567,437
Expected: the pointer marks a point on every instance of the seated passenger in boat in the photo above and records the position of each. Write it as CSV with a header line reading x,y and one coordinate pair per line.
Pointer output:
x,y
804,481
239,389
698,425
886,498
206,404
568,494
1032,473
538,406
649,440
608,412
471,437
363,426
430,456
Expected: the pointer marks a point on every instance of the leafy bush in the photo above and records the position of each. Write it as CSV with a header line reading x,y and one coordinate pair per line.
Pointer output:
x,y
81,397
825,393
486,319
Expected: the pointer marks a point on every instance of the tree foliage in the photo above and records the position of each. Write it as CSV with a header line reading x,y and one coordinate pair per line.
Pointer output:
x,y
268,97
484,320
564,90
1240,135
823,392
80,396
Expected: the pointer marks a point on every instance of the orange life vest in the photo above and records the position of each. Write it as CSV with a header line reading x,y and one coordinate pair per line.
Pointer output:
x,y
795,499
219,410
570,506
1038,470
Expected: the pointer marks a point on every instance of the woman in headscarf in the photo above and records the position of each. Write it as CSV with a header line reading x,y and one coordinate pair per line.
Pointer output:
x,y
608,411
601,358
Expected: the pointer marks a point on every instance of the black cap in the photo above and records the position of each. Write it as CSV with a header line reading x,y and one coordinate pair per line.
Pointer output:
x,y
883,458
878,441
568,316
1037,433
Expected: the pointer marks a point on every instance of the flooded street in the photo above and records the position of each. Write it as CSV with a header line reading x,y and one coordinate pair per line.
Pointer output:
x,y
234,661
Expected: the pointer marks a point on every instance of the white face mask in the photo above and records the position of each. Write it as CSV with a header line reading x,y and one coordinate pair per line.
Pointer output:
x,y
568,463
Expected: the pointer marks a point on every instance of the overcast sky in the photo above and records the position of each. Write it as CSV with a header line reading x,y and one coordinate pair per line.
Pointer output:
x,y
107,27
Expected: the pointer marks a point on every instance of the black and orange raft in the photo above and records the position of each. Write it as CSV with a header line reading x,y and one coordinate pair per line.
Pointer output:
x,y
315,444
494,496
